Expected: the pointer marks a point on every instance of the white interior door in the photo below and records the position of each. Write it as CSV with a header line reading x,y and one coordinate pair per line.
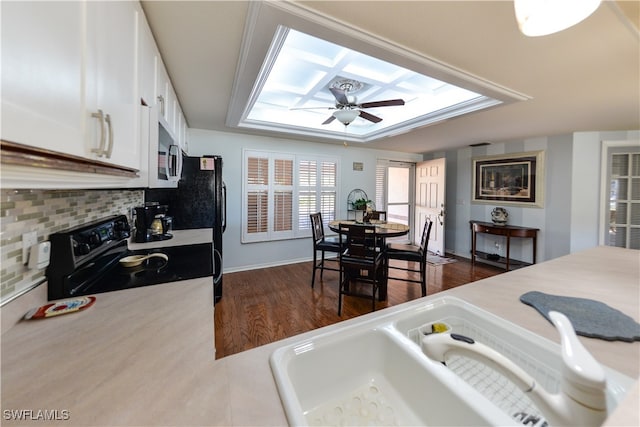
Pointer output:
x,y
430,192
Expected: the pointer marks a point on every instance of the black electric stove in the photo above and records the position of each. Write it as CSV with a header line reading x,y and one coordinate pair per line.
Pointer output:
x,y
85,260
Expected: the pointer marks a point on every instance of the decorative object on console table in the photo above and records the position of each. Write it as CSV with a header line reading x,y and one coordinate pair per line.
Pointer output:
x,y
510,179
507,231
499,216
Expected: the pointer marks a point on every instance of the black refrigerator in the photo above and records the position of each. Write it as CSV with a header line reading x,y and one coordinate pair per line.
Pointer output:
x,y
199,202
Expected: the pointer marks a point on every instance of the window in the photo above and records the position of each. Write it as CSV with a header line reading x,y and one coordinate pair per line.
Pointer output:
x,y
622,211
280,192
394,190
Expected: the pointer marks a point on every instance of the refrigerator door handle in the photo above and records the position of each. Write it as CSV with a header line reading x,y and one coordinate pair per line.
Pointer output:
x,y
217,258
224,206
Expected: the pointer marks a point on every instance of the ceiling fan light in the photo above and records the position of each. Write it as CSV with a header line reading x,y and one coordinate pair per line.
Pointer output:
x,y
346,116
542,17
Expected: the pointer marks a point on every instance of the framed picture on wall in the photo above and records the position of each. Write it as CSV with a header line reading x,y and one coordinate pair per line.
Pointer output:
x,y
509,179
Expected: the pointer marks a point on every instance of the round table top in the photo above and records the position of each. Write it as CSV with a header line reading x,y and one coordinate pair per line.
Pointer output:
x,y
383,228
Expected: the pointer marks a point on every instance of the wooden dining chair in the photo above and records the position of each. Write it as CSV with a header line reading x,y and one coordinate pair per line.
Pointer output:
x,y
362,261
411,253
322,244
377,215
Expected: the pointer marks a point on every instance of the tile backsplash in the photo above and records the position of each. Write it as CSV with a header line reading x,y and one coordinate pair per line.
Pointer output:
x,y
46,212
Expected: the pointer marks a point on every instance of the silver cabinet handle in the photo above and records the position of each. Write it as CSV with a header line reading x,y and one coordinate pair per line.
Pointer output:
x,y
161,101
100,150
109,150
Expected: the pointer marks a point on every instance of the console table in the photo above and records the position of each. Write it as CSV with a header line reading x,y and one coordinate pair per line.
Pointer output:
x,y
501,230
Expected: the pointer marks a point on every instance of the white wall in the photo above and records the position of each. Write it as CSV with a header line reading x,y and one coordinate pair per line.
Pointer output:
x,y
569,220
239,256
585,194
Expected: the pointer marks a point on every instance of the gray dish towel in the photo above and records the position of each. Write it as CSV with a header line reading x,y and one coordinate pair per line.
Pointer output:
x,y
589,318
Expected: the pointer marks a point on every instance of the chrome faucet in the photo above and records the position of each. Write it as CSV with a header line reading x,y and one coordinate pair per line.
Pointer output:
x,y
582,397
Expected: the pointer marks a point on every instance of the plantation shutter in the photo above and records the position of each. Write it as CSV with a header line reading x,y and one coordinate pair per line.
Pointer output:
x,y
283,195
281,190
381,185
257,195
328,178
307,200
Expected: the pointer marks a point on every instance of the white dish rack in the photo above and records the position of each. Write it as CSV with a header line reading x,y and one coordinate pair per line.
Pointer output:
x,y
489,382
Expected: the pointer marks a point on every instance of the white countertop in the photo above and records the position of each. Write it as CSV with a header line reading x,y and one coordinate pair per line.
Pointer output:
x,y
145,356
180,238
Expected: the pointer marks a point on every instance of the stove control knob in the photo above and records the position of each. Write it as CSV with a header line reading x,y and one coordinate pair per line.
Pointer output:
x,y
81,249
121,229
94,239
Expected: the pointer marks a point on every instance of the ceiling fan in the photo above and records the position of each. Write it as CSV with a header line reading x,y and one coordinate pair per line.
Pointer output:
x,y
347,107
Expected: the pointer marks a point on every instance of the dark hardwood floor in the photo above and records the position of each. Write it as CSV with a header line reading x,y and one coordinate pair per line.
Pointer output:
x,y
265,305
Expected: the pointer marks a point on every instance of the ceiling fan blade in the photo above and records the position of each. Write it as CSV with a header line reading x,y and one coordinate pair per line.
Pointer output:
x,y
387,103
340,95
312,108
329,120
370,117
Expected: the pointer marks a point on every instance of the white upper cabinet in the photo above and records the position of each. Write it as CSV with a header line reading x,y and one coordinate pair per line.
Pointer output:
x,y
147,57
43,101
164,96
112,82
181,126
69,78
185,135
74,76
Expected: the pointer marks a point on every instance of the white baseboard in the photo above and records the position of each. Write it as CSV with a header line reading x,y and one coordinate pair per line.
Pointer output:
x,y
270,264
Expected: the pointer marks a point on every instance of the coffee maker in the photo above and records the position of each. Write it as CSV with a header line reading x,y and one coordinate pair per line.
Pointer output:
x,y
152,223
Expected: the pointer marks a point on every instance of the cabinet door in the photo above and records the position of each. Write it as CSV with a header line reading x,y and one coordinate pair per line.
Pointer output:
x,y
183,132
178,125
147,64
164,96
173,118
42,75
112,34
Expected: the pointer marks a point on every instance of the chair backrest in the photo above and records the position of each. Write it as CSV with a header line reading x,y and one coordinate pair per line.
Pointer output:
x,y
424,241
317,227
360,240
379,215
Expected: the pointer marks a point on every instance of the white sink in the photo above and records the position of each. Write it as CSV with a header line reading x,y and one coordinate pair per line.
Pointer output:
x,y
374,372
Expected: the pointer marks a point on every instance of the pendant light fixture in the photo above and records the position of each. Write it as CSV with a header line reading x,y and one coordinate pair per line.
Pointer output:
x,y
542,17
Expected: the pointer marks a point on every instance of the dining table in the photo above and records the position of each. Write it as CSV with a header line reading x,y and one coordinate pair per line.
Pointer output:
x,y
384,230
